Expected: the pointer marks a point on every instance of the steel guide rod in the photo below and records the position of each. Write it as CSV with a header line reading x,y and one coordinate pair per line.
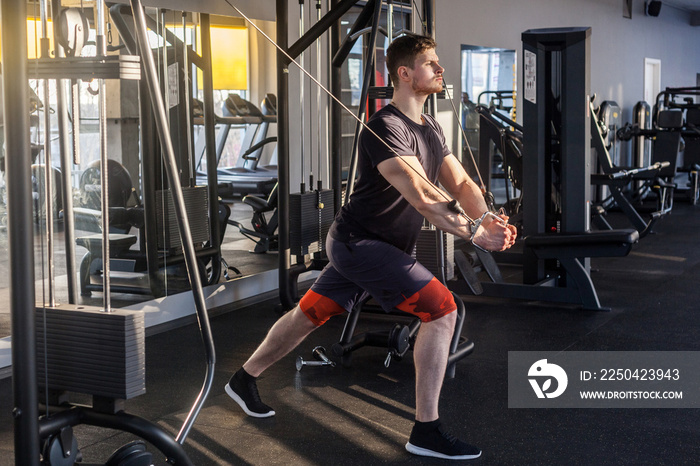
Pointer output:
x,y
366,79
48,170
66,165
318,100
187,90
302,84
20,233
104,162
180,211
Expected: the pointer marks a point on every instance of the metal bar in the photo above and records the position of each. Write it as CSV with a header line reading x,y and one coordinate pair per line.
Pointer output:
x,y
209,134
319,76
346,45
66,169
48,201
104,160
86,68
336,162
302,84
285,283
116,13
149,147
20,233
429,18
122,421
429,26
165,86
366,79
187,67
181,214
318,29
390,20
48,178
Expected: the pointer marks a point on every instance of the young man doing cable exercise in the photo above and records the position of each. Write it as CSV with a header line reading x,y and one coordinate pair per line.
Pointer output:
x,y
369,245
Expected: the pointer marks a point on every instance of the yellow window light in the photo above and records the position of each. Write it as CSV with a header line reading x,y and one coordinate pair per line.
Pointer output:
x,y
229,53
34,37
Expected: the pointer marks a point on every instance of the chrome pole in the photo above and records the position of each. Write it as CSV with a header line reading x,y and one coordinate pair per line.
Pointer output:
x,y
104,162
159,111
20,234
48,169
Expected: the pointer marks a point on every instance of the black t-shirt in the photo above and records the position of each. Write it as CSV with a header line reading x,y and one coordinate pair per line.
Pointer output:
x,y
376,209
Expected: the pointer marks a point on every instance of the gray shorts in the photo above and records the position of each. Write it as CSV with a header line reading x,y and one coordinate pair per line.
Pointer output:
x,y
371,267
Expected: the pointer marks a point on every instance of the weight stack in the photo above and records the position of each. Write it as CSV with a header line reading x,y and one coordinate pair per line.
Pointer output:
x,y
86,350
310,217
426,252
197,207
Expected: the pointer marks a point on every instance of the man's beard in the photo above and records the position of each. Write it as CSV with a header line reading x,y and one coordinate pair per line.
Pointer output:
x,y
423,89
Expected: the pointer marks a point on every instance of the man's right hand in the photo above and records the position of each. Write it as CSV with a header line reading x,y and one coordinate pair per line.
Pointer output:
x,y
495,234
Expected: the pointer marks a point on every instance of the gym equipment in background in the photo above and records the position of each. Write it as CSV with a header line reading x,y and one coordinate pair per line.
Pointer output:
x,y
656,177
162,267
501,142
248,176
264,222
684,99
557,241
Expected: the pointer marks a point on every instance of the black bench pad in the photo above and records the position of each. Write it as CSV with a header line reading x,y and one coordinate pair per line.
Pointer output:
x,y
604,243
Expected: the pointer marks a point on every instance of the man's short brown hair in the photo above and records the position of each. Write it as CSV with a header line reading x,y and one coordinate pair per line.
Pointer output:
x,y
403,52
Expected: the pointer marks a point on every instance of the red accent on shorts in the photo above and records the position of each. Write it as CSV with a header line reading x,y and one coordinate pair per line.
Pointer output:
x,y
430,303
318,308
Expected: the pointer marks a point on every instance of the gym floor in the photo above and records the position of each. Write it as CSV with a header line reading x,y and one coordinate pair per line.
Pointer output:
x,y
363,414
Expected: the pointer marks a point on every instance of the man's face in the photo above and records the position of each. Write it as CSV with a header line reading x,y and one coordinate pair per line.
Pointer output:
x,y
426,73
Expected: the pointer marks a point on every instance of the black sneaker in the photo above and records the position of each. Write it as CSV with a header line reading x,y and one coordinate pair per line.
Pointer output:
x,y
243,390
439,444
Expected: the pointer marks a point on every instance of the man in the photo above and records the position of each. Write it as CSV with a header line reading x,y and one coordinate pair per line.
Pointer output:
x,y
370,242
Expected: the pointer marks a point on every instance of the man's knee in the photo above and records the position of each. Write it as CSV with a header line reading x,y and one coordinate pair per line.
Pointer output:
x,y
318,308
433,301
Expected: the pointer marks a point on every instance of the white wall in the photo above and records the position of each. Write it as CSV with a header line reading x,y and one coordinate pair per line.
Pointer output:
x,y
619,45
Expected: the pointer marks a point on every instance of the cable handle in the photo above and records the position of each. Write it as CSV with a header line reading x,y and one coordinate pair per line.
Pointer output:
x,y
474,225
455,207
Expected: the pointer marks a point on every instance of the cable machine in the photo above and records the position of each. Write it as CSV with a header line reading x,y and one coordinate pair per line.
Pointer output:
x,y
38,333
293,239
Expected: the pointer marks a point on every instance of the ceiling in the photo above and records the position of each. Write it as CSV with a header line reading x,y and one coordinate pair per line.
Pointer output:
x,y
688,5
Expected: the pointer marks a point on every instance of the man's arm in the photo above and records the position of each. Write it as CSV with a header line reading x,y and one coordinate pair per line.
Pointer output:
x,y
413,184
496,235
458,183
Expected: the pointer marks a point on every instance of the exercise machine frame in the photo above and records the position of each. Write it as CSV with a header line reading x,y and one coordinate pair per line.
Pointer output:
x,y
27,424
556,165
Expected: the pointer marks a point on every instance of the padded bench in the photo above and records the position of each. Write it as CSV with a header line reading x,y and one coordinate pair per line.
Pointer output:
x,y
568,248
604,243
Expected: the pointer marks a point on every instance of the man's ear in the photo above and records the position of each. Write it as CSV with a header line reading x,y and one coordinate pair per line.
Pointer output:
x,y
402,72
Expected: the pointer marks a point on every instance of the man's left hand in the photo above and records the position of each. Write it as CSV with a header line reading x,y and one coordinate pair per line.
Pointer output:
x,y
495,234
